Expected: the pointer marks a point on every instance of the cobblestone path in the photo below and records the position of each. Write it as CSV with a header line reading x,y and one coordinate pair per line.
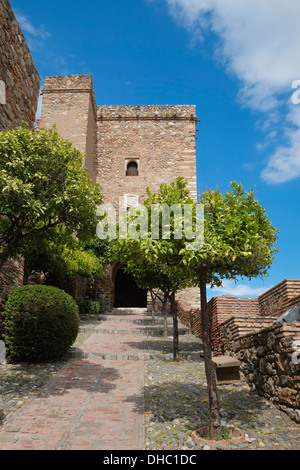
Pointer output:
x,y
120,390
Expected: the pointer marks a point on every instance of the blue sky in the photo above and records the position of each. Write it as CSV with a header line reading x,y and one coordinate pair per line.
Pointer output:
x,y
236,60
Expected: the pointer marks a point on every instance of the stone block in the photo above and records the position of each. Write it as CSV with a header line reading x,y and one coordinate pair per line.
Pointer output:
x,y
227,369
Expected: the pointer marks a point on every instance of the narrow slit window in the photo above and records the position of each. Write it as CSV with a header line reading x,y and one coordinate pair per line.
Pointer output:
x,y
132,169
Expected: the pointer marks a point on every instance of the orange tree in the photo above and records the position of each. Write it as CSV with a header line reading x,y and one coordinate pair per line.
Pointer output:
x,y
239,241
153,261
43,186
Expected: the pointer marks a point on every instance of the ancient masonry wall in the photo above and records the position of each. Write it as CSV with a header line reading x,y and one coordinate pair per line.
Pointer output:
x,y
270,361
269,353
17,72
19,93
69,104
278,299
160,139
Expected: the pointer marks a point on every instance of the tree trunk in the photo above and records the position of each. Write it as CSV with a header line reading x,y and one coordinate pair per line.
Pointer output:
x,y
175,328
9,248
214,411
96,288
153,297
26,274
165,314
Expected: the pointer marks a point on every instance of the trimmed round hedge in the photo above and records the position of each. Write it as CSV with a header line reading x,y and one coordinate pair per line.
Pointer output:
x,y
40,323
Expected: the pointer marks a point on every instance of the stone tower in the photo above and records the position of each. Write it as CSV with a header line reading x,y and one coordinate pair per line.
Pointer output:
x,y
156,142
141,146
127,148
69,103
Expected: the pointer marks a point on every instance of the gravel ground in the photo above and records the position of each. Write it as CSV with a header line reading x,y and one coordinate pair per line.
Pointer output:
x,y
176,403
175,398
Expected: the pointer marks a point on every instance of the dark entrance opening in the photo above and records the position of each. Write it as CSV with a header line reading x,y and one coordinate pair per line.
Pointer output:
x,y
127,293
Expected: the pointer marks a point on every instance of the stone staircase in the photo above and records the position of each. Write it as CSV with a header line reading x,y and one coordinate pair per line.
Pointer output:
x,y
128,333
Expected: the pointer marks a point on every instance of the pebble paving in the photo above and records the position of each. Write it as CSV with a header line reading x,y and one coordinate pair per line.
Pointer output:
x,y
170,399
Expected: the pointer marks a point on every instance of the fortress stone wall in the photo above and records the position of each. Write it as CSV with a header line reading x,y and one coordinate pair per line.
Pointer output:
x,y
20,80
19,93
160,140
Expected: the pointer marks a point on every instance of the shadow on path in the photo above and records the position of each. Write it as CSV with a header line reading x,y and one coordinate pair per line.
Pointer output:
x,y
84,375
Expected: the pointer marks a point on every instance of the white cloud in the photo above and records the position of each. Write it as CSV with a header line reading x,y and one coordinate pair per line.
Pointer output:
x,y
284,164
258,43
35,35
28,27
239,290
37,40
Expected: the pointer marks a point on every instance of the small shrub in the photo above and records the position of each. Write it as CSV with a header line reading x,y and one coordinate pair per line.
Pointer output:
x,y
91,307
41,323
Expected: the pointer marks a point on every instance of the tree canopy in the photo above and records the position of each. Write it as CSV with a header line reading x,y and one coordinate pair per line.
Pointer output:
x,y
43,184
239,241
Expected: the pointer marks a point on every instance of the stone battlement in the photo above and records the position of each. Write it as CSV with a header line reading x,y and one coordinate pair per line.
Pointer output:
x,y
68,83
160,112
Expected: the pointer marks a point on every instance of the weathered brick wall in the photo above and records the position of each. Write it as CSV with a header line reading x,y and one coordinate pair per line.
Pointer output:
x,y
277,300
220,309
249,314
17,71
161,139
189,296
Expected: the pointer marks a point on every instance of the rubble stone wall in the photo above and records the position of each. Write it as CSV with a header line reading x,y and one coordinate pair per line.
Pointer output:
x,y
270,362
269,353
17,72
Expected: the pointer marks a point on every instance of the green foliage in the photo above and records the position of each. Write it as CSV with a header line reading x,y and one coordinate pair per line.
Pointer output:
x,y
43,184
156,262
61,254
102,249
239,239
41,323
91,307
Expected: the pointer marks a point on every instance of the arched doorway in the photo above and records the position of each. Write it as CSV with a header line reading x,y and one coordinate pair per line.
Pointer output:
x,y
127,293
